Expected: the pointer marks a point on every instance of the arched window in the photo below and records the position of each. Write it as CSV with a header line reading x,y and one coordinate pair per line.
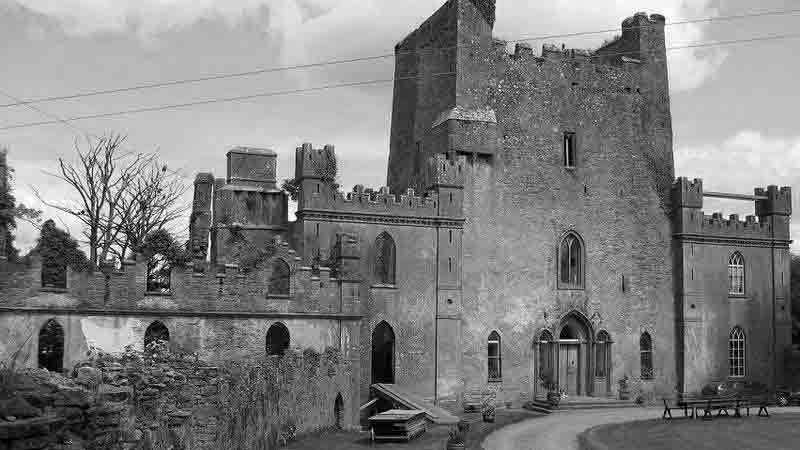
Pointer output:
x,y
277,339
546,346
570,256
736,353
279,279
51,346
156,332
383,353
384,259
602,355
646,351
495,362
736,274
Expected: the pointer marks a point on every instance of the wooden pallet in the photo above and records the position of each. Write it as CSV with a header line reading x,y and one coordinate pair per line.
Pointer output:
x,y
398,424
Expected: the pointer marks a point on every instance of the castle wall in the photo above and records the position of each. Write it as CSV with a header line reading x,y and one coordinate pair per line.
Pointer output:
x,y
508,117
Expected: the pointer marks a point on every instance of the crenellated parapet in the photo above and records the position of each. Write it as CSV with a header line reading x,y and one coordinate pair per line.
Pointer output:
x,y
447,170
760,229
778,201
687,194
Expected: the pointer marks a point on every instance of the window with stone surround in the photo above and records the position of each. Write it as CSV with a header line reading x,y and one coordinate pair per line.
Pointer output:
x,y
385,259
736,274
736,353
51,346
646,352
350,293
570,262
569,150
495,361
279,279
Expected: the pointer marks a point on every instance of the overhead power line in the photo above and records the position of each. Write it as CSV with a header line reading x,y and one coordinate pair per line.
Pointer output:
x,y
332,62
360,83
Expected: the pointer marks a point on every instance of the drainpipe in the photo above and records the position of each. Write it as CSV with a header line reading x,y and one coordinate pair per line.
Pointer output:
x,y
436,324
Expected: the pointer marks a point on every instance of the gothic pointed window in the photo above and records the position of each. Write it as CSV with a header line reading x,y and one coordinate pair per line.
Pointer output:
x,y
736,274
385,259
279,279
495,362
571,267
736,353
646,353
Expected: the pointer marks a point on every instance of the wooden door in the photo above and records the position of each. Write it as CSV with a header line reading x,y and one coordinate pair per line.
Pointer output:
x,y
568,368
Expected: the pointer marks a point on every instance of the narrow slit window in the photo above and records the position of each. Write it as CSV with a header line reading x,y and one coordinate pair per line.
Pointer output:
x,y
569,149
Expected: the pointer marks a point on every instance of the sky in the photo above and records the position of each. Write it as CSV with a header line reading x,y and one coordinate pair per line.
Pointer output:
x,y
733,107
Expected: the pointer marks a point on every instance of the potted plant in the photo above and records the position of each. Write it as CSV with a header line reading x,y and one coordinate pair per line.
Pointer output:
x,y
457,436
624,391
488,410
553,394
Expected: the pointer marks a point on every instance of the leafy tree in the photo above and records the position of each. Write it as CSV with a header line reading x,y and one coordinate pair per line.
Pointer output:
x,y
163,252
10,211
58,250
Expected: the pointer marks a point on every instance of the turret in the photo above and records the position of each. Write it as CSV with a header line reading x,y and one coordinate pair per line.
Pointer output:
x,y
687,201
446,177
315,172
775,209
200,221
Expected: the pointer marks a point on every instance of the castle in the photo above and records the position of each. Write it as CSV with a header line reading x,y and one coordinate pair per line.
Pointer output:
x,y
532,228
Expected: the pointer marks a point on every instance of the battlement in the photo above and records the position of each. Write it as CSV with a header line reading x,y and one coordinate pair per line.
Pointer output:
x,y
447,170
198,286
750,227
687,194
777,203
253,167
313,163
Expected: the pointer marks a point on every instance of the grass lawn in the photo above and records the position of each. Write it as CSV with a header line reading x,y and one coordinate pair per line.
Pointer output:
x,y
779,431
433,439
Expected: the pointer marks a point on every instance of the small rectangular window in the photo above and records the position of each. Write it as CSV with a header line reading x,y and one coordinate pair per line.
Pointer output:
x,y
569,149
451,236
449,264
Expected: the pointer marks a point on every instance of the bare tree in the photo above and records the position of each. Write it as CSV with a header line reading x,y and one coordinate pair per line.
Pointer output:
x,y
101,178
152,202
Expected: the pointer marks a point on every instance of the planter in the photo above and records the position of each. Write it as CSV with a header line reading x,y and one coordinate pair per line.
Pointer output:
x,y
554,398
455,445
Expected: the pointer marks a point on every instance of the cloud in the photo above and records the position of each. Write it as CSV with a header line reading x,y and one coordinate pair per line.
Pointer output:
x,y
333,28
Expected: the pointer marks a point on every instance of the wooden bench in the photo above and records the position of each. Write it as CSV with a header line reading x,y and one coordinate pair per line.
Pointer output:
x,y
722,404
685,401
475,399
752,400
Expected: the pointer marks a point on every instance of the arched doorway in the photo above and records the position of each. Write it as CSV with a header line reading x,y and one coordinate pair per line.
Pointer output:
x,y
51,346
156,332
573,350
338,411
383,354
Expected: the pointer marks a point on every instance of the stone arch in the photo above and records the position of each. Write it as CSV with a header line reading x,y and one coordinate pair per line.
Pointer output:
x,y
277,340
156,332
574,365
51,346
338,411
383,353
602,363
